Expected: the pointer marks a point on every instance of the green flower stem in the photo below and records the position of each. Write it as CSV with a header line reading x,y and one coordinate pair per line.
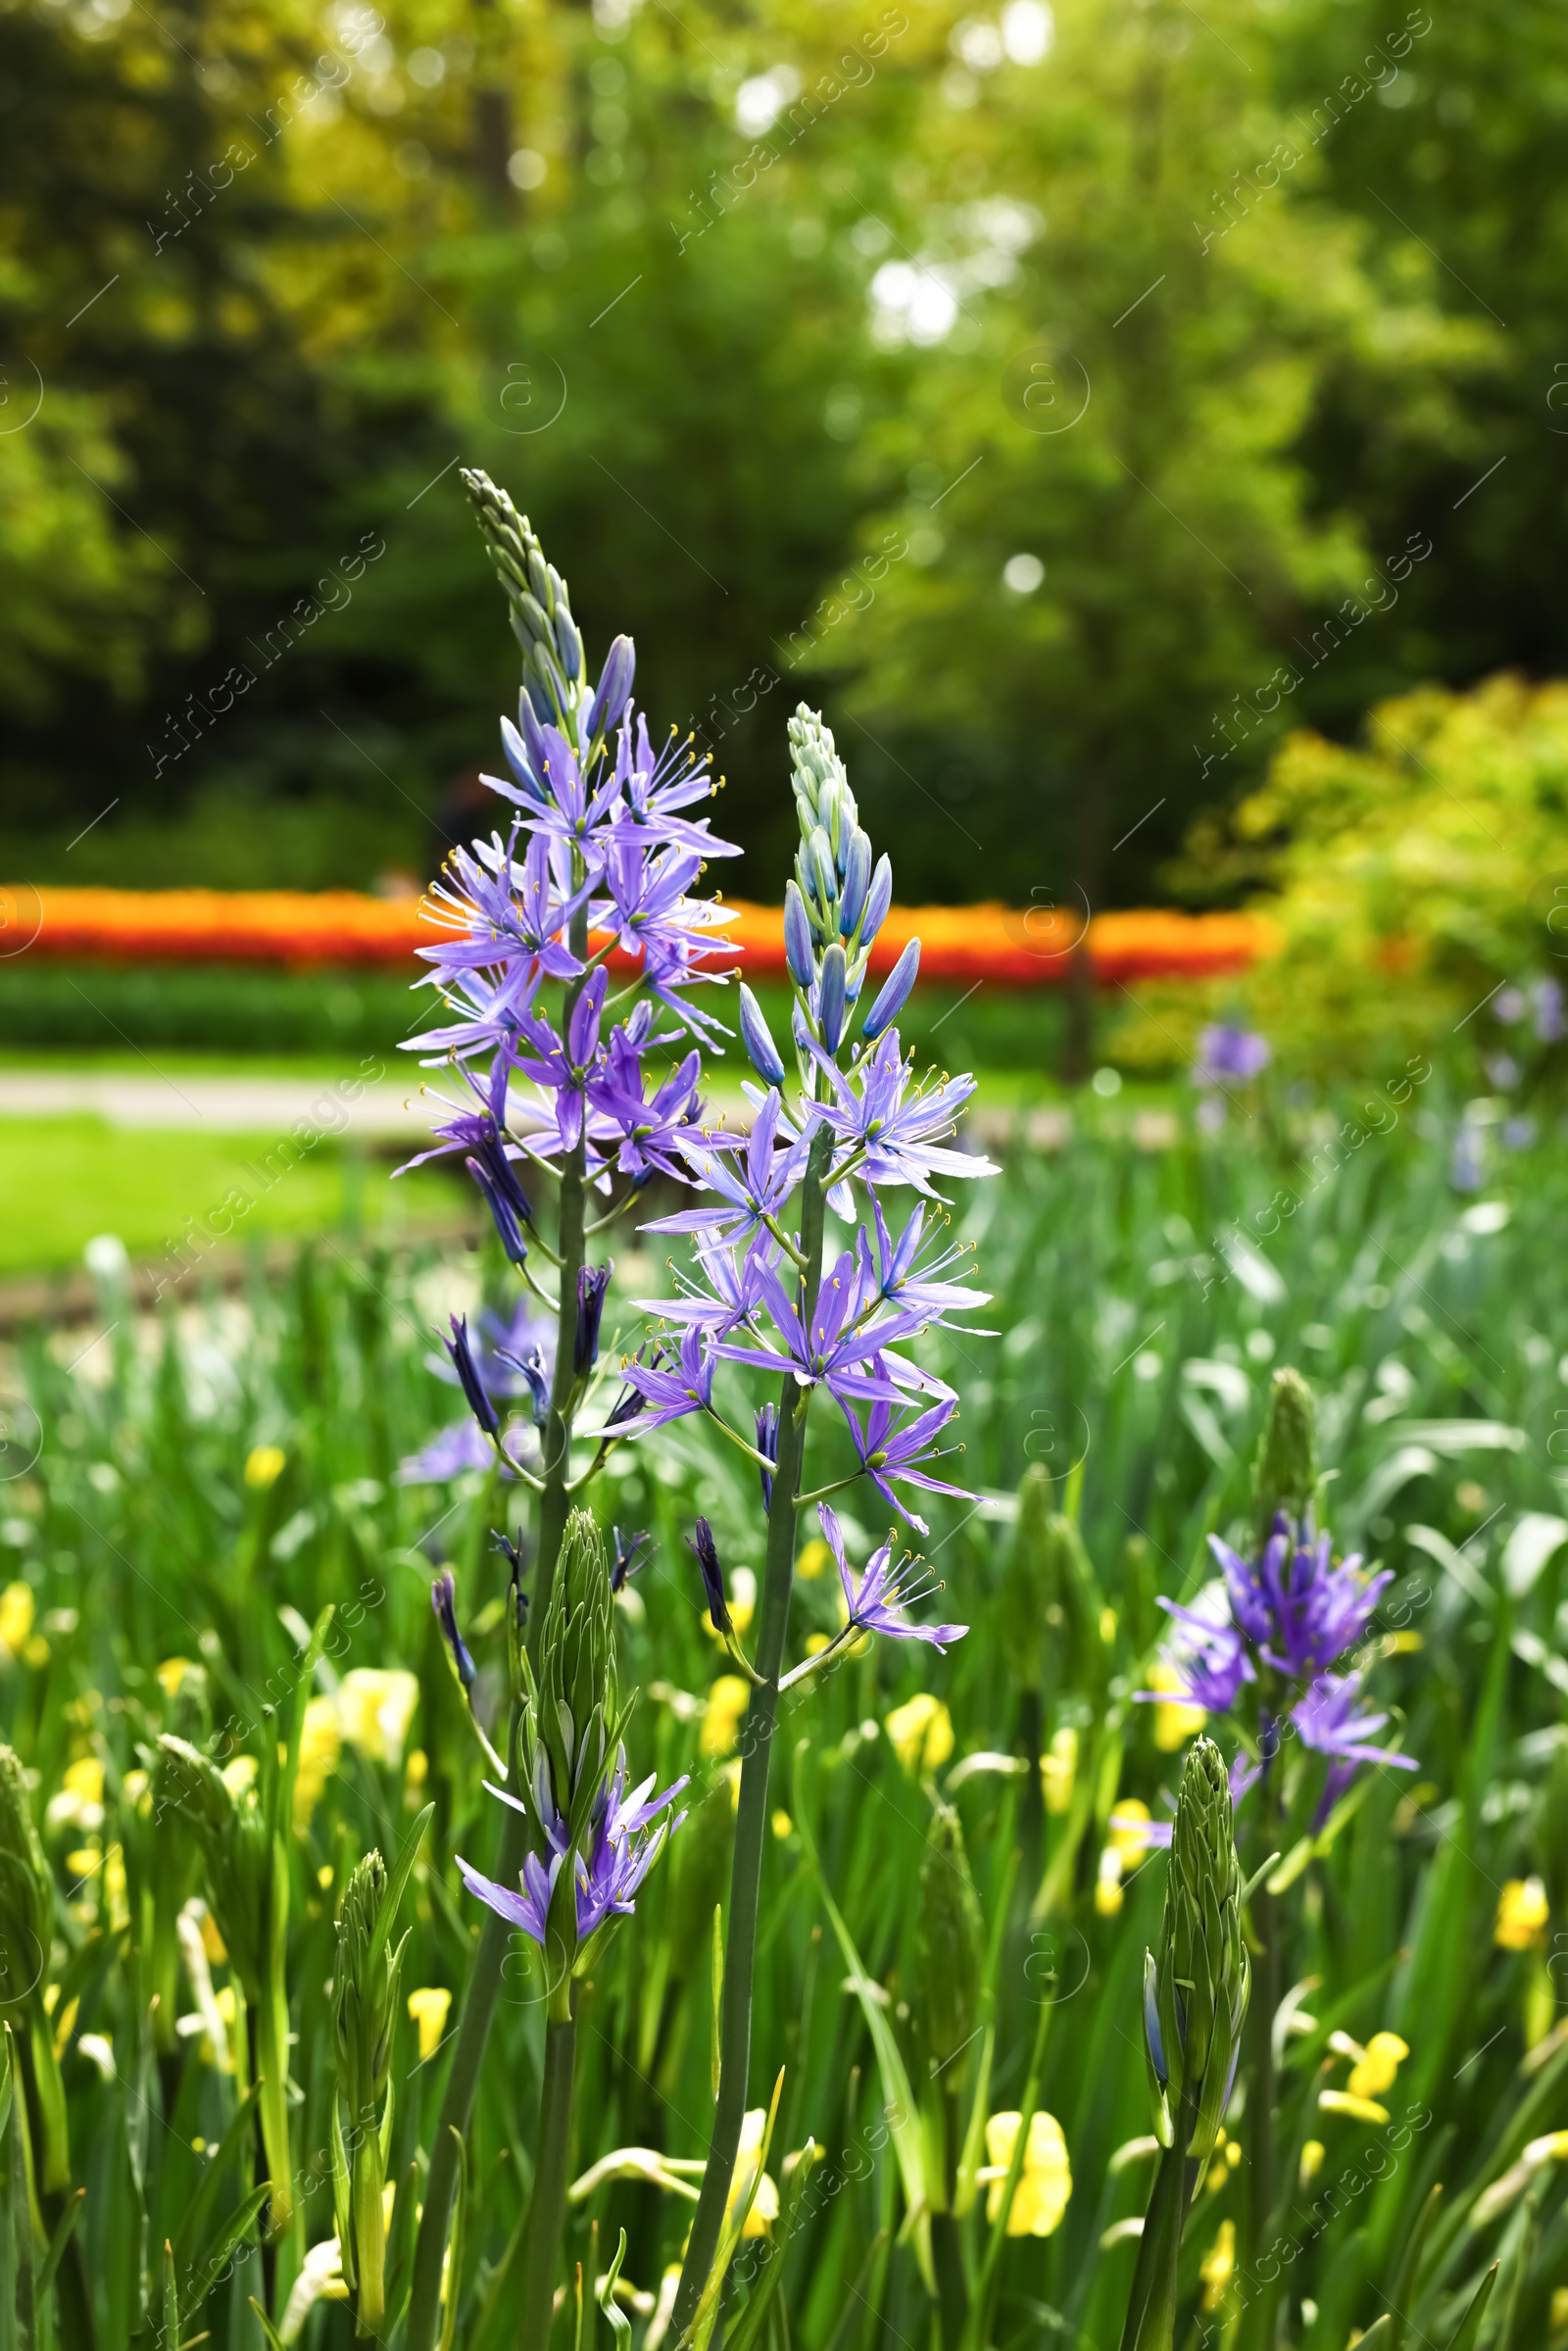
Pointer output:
x,y
552,2160
271,2066
750,1818
495,1936
1152,2309
369,2231
1260,2326
478,2009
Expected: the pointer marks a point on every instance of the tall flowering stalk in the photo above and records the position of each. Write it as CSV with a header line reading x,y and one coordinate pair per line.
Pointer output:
x,y
1258,1648
852,1126
598,847
1195,1993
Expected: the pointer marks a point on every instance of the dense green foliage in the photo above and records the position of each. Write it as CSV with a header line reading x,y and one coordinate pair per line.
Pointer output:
x,y
1136,1330
273,272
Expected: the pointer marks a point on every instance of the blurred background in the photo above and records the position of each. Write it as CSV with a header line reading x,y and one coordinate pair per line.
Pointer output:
x,y
1141,430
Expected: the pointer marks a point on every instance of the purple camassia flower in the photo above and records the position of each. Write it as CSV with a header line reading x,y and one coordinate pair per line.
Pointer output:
x,y
757,1188
843,1338
1225,1050
512,913
734,1287
896,1279
648,911
1301,1612
653,787
879,1604
672,1390
888,1452
871,1117
447,1454
560,1066
620,1853
1326,1720
652,1131
1212,1658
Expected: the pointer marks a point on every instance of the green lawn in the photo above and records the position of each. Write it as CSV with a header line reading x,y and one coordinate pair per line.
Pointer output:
x,y
64,1180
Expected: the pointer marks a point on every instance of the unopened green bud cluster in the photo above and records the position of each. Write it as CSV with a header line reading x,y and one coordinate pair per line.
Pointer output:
x,y
1196,1992
1285,1473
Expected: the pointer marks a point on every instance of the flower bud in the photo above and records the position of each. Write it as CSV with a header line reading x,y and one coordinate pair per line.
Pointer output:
x,y
364,1990
878,901
467,1371
765,1060
569,645
798,937
830,1010
1285,1473
821,868
578,1662
702,1542
444,1601
503,1212
613,690
857,882
592,1283
1195,1993
894,993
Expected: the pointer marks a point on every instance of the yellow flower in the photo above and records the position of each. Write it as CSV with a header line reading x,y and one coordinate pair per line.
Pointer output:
x,y
374,1708
814,1557
1109,1895
321,1745
921,1733
415,1772
264,1466
78,1801
239,1775
1108,1626
1218,2264
1374,2073
1045,2182
16,1616
1128,1823
783,1826
1311,2161
816,1643
1521,1916
727,1701
172,1673
1343,2101
428,2009
1559,2306
85,1861
749,2155
35,1653
1060,1768
217,1951
1174,1725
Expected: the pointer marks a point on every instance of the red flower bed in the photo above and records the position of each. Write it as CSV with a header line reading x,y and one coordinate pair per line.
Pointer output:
x,y
1014,948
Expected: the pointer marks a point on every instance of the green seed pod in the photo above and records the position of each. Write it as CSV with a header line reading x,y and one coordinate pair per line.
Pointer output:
x,y
1195,1993
948,1949
1285,1472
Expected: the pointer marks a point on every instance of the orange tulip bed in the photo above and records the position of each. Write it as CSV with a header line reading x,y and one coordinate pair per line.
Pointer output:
x,y
1031,947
